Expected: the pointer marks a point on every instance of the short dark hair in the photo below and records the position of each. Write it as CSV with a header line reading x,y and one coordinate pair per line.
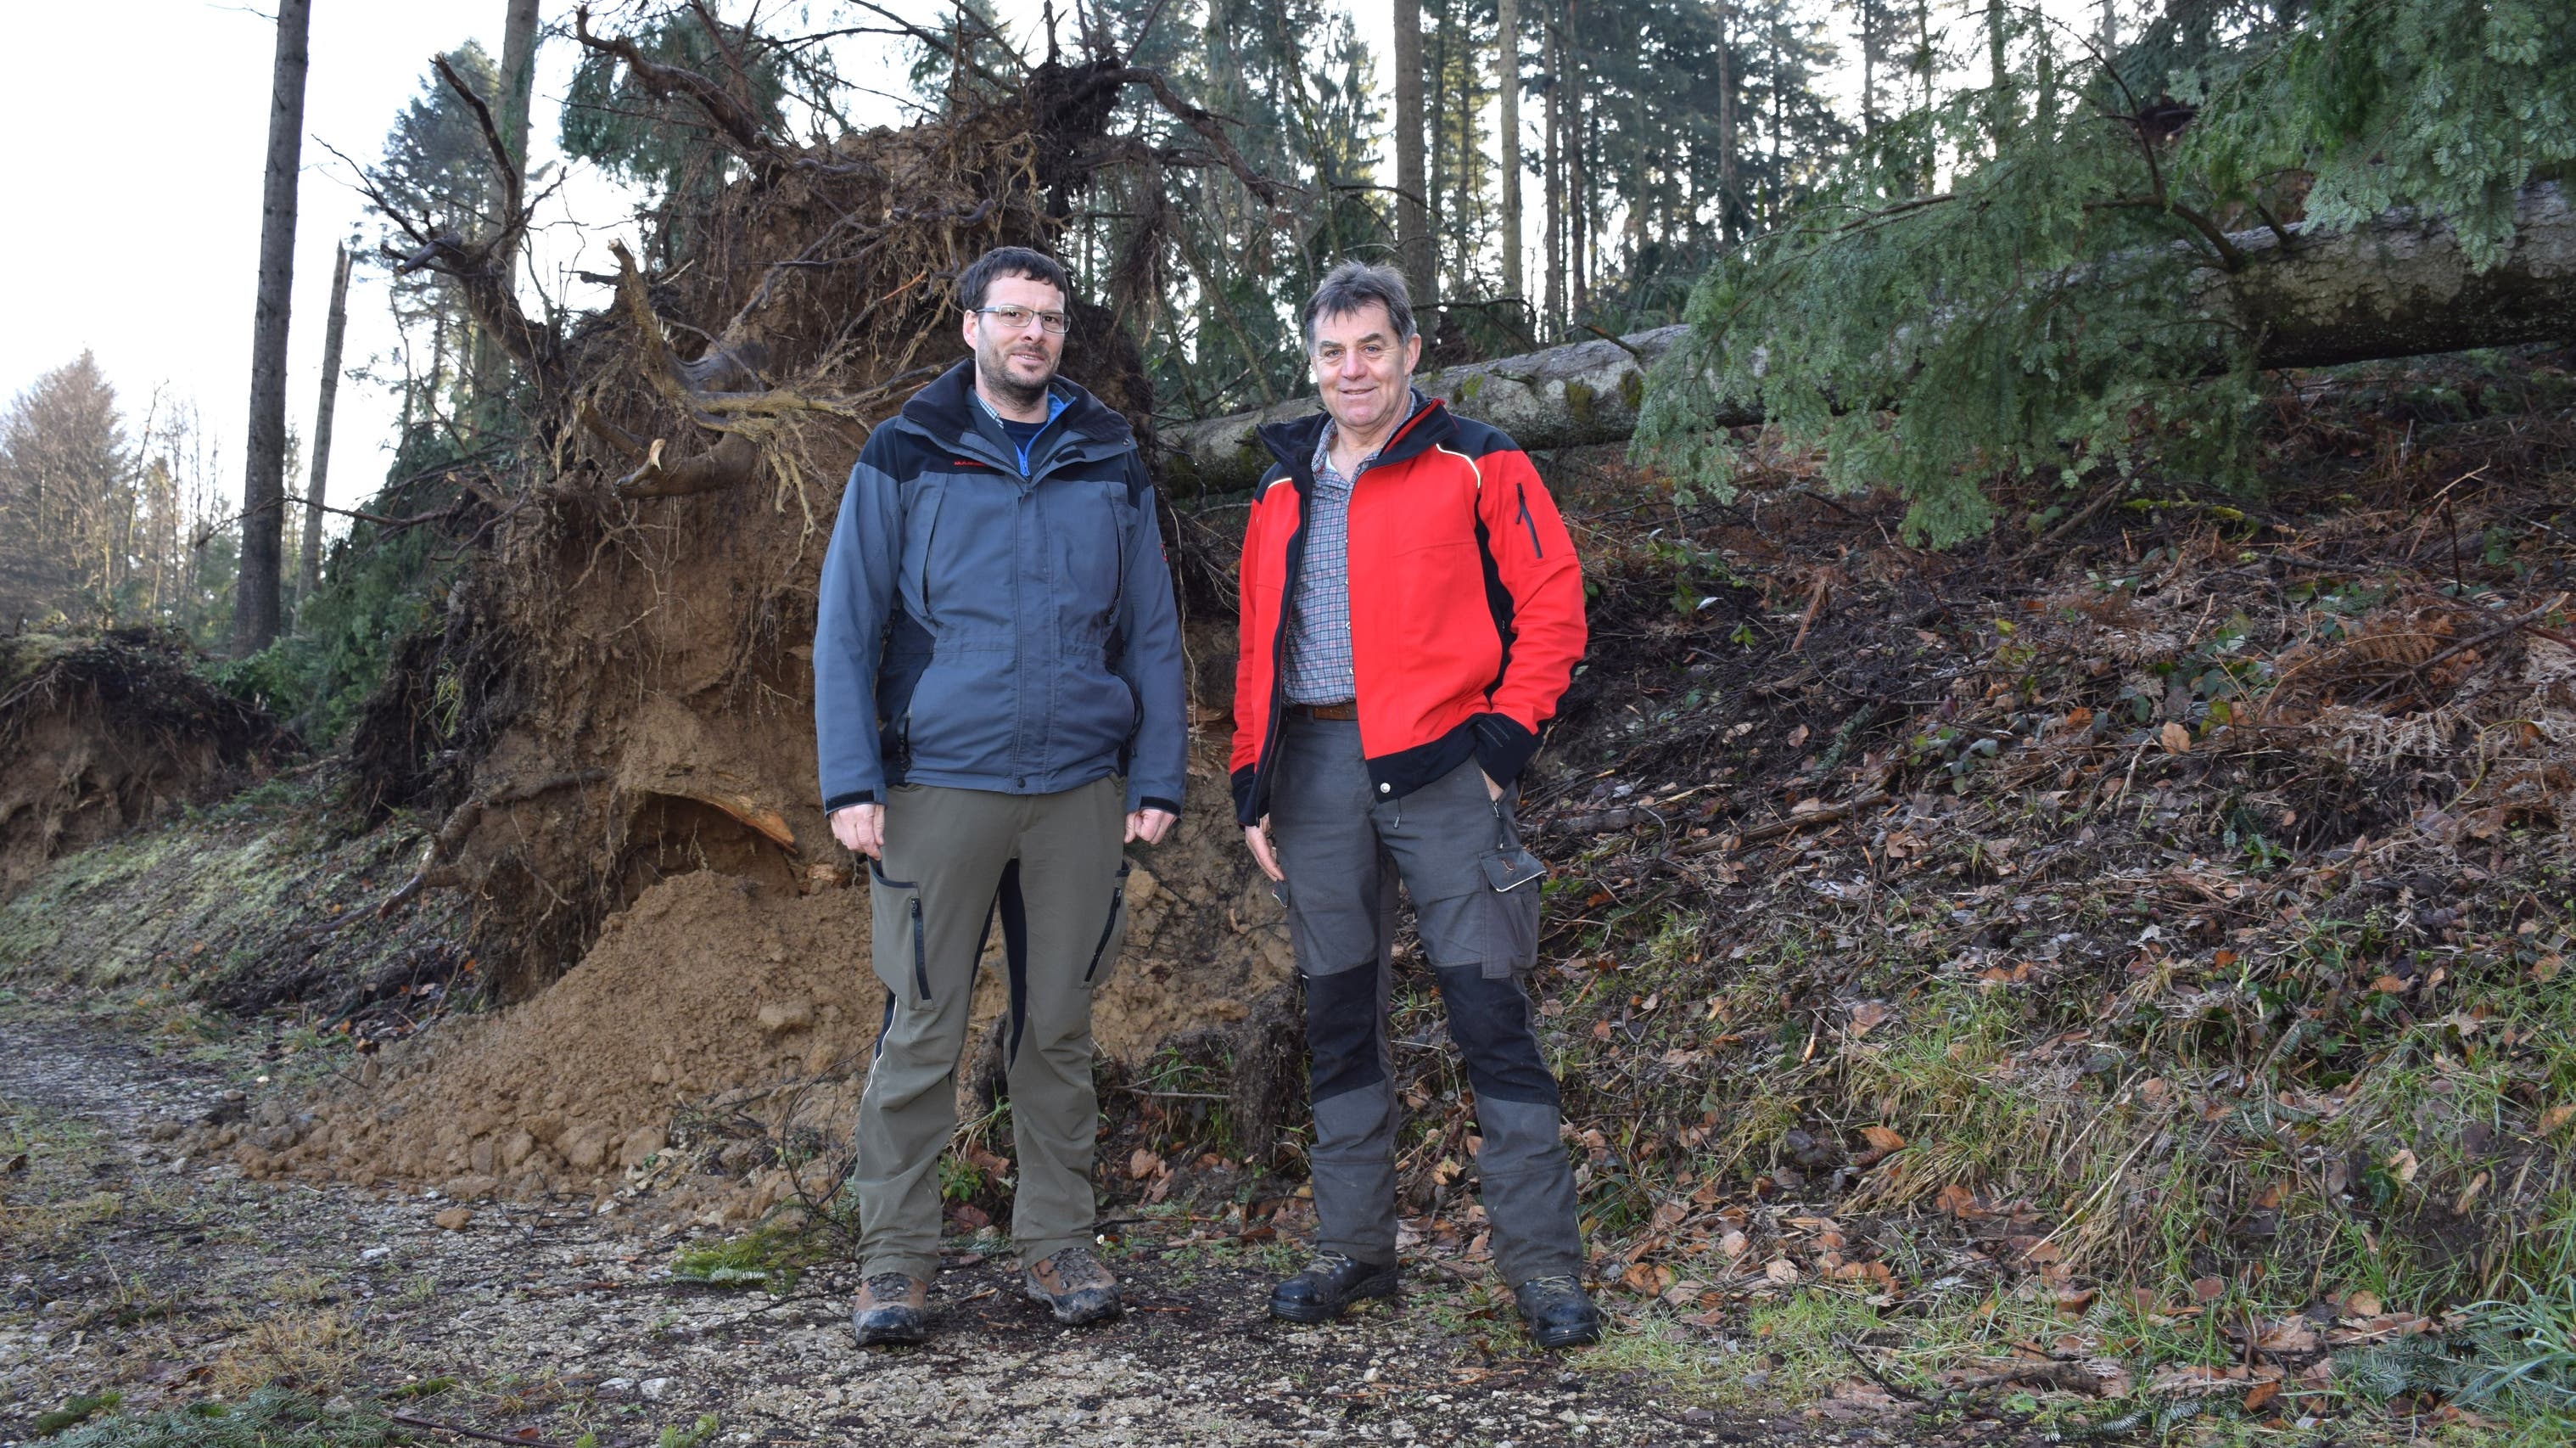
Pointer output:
x,y
1009,261
1353,285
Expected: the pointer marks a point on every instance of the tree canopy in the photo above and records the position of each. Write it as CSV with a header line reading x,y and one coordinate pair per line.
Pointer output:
x,y
2063,302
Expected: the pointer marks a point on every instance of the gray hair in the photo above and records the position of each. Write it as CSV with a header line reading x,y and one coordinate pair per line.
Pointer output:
x,y
1353,285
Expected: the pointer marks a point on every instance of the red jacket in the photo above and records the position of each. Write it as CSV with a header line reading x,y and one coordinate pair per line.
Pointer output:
x,y
1466,604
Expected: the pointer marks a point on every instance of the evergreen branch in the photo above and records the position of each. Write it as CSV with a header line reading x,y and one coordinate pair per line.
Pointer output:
x,y
731,117
513,218
2230,257
1210,127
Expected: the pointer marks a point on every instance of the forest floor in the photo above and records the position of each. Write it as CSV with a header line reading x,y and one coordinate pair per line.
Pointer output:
x,y
162,1280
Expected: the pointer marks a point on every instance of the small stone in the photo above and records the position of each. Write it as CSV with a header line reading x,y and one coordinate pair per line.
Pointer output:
x,y
654,1389
453,1219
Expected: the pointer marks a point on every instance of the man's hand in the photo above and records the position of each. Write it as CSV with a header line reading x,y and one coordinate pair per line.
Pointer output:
x,y
861,827
1149,825
1258,838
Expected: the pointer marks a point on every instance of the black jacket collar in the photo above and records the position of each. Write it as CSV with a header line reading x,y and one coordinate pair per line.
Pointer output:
x,y
945,410
1293,442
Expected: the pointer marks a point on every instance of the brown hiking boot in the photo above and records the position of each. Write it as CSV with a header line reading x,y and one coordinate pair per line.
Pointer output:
x,y
1074,1286
891,1308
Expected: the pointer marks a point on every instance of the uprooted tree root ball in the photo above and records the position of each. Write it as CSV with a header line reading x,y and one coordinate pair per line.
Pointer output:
x,y
101,733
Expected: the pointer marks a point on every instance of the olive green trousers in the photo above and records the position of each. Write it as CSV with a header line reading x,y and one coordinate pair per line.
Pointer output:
x,y
1049,869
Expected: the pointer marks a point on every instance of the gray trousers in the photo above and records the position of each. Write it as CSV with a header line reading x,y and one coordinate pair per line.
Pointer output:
x,y
1331,832
1050,868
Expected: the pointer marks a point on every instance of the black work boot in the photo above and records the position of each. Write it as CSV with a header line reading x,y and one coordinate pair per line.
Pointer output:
x,y
1330,1284
892,1308
1558,1313
1074,1286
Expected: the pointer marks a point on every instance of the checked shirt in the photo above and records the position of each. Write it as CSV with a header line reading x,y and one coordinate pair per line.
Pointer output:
x,y
1319,633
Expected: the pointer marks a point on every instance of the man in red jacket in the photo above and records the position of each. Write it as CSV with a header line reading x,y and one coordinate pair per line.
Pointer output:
x,y
1412,611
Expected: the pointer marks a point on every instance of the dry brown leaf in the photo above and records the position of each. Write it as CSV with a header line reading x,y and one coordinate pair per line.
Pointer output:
x,y
1882,1138
2175,738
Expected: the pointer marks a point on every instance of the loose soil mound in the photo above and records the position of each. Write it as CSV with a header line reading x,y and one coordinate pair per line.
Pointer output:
x,y
714,990
99,733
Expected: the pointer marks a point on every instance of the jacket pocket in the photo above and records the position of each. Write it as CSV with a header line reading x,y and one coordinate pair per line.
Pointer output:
x,y
899,945
1113,933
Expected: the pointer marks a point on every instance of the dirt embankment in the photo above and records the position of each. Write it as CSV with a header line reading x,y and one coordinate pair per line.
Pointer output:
x,y
729,994
99,733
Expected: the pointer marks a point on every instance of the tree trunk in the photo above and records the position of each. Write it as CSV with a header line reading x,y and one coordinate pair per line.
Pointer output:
x,y
1871,36
1507,76
1729,204
1412,215
316,489
255,601
490,356
518,80
1553,183
2395,286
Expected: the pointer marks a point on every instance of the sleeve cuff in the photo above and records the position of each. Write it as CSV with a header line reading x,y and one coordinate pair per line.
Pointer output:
x,y
1503,746
839,802
1170,807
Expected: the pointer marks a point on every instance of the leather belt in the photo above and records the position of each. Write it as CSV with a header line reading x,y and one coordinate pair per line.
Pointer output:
x,y
1342,713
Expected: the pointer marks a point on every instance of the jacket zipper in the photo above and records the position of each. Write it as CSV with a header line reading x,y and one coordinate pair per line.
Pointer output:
x,y
1529,522
920,955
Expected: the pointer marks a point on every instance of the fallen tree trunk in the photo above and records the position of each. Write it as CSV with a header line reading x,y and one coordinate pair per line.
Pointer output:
x,y
2397,286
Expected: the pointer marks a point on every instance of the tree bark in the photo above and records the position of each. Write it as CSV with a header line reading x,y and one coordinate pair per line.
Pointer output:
x,y
1729,207
2398,285
1412,214
1507,75
316,490
1553,182
518,93
518,79
255,594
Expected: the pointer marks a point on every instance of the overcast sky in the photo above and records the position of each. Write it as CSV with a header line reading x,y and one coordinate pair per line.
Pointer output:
x,y
140,131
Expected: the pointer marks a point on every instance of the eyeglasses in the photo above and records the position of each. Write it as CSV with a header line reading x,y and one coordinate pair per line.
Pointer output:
x,y
1015,318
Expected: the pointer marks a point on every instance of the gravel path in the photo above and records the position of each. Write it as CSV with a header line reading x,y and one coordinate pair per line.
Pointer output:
x,y
171,1281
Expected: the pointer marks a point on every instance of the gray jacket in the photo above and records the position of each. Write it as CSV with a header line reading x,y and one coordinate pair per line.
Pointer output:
x,y
984,628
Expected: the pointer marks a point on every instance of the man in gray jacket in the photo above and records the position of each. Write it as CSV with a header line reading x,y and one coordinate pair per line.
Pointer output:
x,y
997,705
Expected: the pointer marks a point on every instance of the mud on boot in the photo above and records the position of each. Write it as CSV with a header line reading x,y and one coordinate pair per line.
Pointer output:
x,y
1074,1286
891,1308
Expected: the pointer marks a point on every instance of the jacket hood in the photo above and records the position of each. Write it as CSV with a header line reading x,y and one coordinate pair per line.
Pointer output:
x,y
1293,442
945,409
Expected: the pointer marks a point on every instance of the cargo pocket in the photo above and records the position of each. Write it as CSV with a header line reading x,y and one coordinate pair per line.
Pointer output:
x,y
1113,933
1508,928
900,948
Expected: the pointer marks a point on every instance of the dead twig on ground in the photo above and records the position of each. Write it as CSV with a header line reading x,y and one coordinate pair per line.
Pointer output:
x,y
411,1420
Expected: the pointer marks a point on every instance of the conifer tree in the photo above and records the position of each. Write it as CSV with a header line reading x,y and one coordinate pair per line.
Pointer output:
x,y
2066,303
